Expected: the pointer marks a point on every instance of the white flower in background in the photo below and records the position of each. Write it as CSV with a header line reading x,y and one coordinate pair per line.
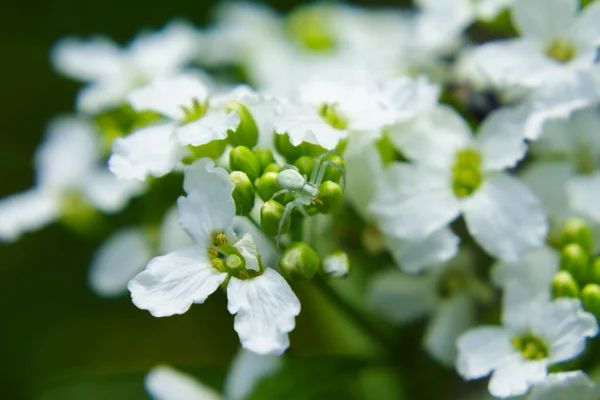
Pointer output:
x,y
448,293
111,72
556,40
456,173
262,300
531,339
69,176
325,110
565,386
246,371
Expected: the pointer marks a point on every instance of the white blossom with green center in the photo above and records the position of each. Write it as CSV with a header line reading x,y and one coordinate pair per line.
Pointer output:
x,y
454,173
262,300
556,40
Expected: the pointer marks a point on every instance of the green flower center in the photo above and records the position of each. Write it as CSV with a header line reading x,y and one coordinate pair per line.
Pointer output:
x,y
467,174
532,347
195,111
310,27
332,117
561,50
224,257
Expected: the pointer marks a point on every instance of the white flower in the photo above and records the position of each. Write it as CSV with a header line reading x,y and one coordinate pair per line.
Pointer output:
x,y
566,385
455,173
166,383
111,72
556,39
263,301
68,172
518,356
336,265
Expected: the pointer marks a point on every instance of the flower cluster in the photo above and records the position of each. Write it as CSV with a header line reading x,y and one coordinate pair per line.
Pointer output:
x,y
460,175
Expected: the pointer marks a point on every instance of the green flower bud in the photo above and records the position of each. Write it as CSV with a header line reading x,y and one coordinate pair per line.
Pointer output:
x,y
211,150
336,264
270,217
299,261
243,192
576,231
273,167
331,173
246,134
291,153
563,285
595,271
305,165
264,157
330,197
267,185
591,298
574,259
243,159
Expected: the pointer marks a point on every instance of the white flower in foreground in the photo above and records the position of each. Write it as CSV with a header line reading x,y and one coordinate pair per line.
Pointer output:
x,y
262,300
456,173
556,39
111,72
166,383
566,386
519,353
448,294
69,179
325,110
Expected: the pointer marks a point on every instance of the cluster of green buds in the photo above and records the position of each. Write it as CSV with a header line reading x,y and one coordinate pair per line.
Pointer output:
x,y
579,275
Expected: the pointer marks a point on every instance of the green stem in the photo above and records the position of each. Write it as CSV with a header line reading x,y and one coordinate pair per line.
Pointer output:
x,y
357,317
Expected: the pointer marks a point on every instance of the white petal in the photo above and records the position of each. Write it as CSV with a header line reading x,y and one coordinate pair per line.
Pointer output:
x,y
544,19
518,62
304,124
249,251
172,236
416,255
451,319
89,60
535,270
501,139
247,370
586,26
405,97
566,386
105,94
415,201
25,212
109,193
520,304
515,378
168,95
403,297
434,137
265,309
166,383
548,180
147,151
483,349
69,151
564,326
584,194
122,256
211,126
505,217
209,206
266,247
170,284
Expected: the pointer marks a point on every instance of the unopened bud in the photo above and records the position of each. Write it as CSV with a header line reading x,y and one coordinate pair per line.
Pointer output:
x,y
591,298
336,265
574,259
243,193
299,261
267,185
246,134
563,285
286,148
331,173
270,217
273,167
264,157
243,159
576,231
330,198
305,165
595,271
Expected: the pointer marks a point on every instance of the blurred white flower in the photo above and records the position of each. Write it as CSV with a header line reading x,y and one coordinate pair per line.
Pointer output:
x,y
566,385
